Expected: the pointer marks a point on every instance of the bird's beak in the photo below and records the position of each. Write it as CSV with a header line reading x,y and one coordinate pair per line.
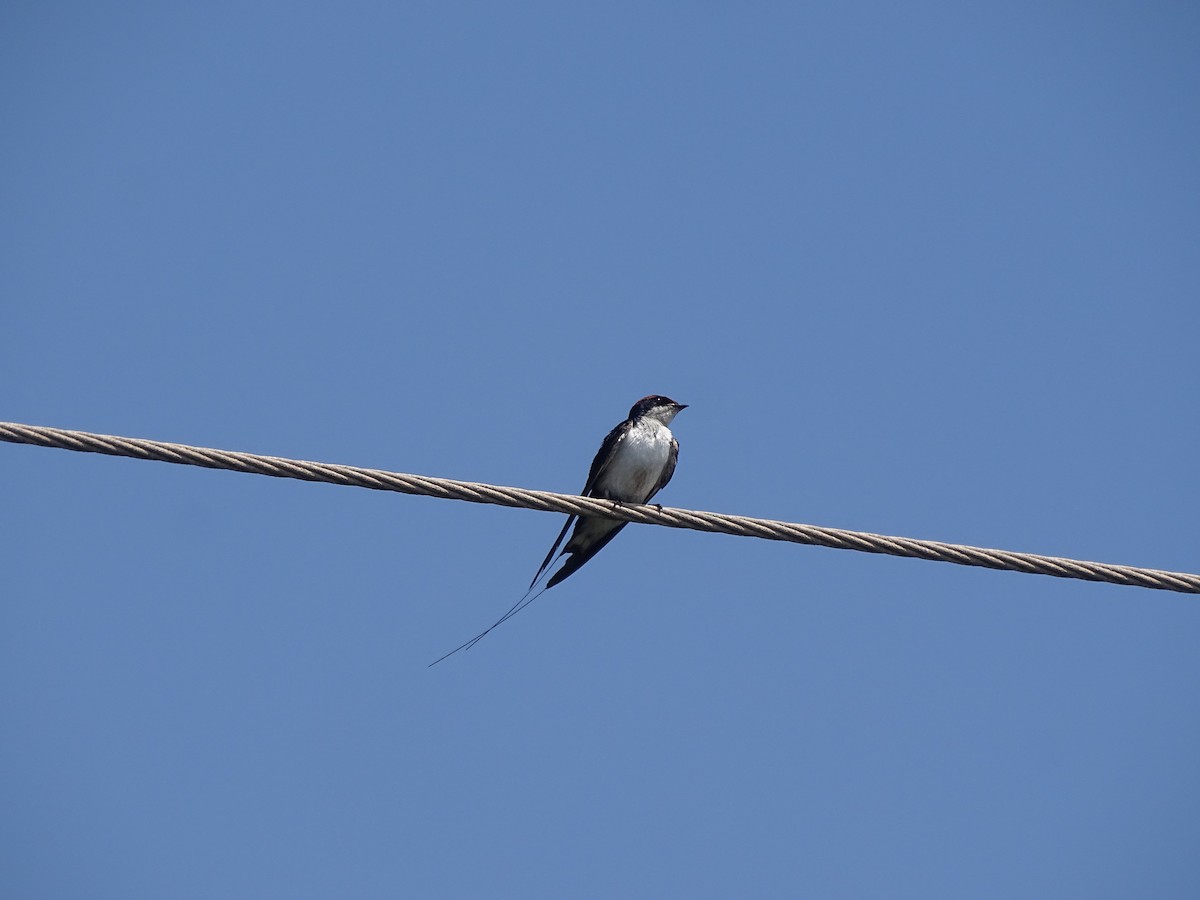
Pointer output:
x,y
681,406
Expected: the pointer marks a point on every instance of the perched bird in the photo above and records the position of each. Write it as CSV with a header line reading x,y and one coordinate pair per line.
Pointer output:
x,y
634,463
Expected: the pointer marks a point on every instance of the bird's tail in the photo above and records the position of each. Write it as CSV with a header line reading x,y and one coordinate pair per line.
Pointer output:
x,y
513,610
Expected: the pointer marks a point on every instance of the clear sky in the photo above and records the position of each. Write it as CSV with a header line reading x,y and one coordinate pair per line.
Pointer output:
x,y
928,270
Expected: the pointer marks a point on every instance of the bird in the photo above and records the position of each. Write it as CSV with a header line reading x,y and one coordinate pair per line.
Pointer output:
x,y
634,463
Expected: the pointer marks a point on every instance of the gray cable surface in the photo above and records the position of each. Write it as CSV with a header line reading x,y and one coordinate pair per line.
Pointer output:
x,y
380,480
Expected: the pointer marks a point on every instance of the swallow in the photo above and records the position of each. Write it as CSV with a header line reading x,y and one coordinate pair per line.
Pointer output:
x,y
634,463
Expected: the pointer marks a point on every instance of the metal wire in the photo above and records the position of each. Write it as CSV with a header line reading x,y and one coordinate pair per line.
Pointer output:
x,y
380,480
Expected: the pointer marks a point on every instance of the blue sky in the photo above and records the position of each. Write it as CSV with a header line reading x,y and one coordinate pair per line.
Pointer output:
x,y
928,271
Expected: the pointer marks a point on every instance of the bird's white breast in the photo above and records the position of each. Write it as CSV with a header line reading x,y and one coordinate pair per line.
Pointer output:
x,y
638,462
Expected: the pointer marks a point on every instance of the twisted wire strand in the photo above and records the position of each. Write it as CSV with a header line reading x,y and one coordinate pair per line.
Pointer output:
x,y
721,523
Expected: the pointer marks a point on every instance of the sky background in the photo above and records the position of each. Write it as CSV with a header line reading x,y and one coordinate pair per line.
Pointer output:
x,y
928,270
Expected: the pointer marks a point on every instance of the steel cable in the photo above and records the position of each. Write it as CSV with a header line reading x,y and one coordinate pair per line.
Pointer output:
x,y
380,480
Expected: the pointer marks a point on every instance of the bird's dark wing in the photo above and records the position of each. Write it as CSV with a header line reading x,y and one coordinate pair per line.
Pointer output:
x,y
603,456
578,557
553,547
668,470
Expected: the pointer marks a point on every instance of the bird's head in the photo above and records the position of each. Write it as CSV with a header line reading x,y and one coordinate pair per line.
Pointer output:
x,y
656,407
